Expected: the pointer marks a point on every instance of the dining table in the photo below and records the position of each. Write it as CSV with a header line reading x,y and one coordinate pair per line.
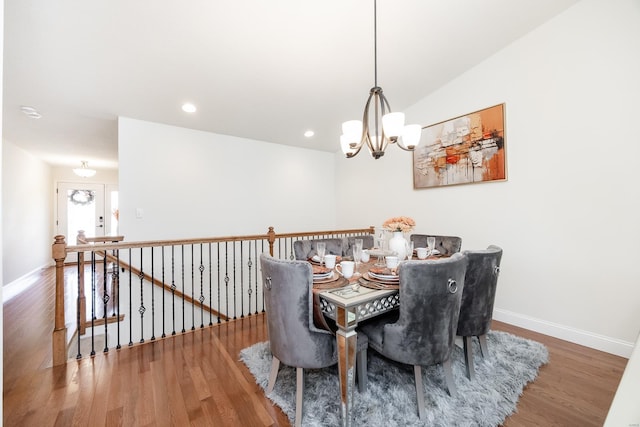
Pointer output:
x,y
348,302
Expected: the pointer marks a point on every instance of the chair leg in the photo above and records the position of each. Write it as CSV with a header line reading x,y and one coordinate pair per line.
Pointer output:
x,y
448,377
468,357
275,365
417,371
484,348
361,369
299,388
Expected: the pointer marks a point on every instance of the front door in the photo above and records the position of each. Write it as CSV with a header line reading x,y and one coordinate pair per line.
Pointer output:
x,y
81,206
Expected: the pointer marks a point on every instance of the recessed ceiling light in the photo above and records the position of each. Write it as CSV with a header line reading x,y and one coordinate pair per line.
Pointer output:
x,y
309,133
188,108
30,112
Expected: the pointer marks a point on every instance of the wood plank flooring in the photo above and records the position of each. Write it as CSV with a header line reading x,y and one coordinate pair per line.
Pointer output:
x,y
196,378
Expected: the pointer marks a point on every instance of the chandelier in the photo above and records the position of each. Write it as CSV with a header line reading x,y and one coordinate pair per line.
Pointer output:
x,y
84,170
379,126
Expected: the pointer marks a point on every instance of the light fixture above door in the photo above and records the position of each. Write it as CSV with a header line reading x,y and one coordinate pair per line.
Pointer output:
x,y
379,126
84,170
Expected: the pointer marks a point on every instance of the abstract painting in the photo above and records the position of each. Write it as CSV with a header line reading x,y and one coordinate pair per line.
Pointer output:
x,y
463,150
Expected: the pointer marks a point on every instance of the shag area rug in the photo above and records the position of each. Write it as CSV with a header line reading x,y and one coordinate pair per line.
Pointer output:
x,y
390,399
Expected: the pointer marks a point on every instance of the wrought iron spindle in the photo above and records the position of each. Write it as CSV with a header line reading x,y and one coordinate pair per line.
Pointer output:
x,y
183,289
201,297
142,308
116,275
210,286
78,317
130,298
93,302
163,296
105,301
173,290
193,311
153,299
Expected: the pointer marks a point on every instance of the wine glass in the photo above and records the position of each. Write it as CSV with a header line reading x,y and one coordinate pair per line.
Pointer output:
x,y
431,243
321,248
357,256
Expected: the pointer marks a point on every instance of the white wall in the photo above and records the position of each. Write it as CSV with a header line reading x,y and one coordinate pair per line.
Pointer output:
x,y
567,217
190,183
27,209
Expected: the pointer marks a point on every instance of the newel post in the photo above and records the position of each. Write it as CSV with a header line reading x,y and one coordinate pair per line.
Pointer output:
x,y
59,338
81,239
272,238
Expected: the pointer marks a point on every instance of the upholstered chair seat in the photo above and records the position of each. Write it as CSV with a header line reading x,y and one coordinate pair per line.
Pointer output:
x,y
422,331
446,245
476,310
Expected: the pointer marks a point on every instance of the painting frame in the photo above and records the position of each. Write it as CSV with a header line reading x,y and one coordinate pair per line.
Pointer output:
x,y
467,149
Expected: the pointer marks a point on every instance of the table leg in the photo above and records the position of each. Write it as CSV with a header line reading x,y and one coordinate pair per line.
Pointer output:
x,y
347,347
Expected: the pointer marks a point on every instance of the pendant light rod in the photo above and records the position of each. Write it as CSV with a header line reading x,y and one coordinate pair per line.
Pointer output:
x,y
375,43
379,126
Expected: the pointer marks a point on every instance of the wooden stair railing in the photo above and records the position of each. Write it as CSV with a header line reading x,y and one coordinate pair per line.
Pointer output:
x,y
102,246
81,239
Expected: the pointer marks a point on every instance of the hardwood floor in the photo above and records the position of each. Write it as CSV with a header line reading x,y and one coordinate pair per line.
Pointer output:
x,y
196,378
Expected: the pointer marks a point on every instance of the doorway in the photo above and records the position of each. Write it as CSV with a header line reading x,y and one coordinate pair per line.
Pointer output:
x,y
81,206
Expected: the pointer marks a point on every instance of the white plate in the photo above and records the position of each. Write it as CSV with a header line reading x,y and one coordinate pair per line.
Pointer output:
x,y
321,276
388,277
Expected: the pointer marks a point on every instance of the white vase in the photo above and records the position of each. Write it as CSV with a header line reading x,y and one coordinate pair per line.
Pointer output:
x,y
398,244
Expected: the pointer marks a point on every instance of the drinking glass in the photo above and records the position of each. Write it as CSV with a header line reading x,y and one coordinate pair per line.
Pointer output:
x,y
357,256
321,248
409,246
431,243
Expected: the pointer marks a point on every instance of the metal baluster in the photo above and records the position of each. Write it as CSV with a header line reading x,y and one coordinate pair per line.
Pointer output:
x,y
210,286
130,298
142,309
80,282
201,298
173,290
226,278
241,281
93,301
117,278
183,289
249,265
218,255
235,300
153,299
163,299
105,302
193,308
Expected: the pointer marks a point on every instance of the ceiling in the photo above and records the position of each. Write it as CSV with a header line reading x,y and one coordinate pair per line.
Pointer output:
x,y
264,70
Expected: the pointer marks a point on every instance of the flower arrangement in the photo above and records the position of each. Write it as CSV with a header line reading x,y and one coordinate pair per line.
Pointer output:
x,y
399,223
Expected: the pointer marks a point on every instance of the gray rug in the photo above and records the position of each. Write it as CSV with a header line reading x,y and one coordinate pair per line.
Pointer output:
x,y
390,399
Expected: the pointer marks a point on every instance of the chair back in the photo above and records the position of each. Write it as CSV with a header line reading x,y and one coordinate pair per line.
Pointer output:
x,y
349,242
305,249
447,245
481,279
294,340
430,296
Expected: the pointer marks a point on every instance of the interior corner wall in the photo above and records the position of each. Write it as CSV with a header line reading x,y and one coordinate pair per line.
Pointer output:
x,y
567,216
177,183
27,209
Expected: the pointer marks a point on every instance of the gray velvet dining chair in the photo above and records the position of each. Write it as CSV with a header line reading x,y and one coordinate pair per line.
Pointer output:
x,y
306,248
446,245
294,340
349,242
422,332
476,311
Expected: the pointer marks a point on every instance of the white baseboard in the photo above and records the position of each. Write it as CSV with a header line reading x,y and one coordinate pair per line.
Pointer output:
x,y
567,333
12,289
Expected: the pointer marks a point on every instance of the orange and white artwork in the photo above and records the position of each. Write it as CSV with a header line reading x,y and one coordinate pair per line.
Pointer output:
x,y
463,150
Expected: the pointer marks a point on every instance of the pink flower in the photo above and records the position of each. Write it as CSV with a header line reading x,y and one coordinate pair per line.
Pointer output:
x,y
399,223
